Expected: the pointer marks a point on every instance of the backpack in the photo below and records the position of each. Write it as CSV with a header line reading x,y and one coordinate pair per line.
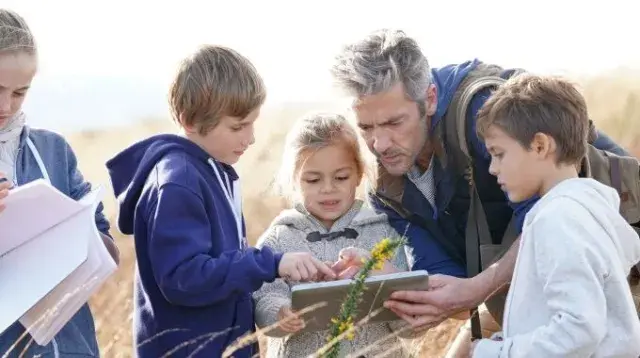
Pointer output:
x,y
621,173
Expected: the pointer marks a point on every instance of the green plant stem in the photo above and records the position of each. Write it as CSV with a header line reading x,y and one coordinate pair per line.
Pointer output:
x,y
349,308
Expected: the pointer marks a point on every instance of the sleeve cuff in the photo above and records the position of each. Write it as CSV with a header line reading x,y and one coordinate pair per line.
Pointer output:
x,y
273,306
277,257
487,348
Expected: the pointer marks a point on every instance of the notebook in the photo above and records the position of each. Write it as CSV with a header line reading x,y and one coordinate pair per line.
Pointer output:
x,y
52,258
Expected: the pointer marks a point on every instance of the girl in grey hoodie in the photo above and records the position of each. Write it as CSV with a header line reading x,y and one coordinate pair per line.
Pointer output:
x,y
323,165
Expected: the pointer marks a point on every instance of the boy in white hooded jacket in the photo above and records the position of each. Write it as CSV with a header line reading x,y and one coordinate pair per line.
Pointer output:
x,y
569,295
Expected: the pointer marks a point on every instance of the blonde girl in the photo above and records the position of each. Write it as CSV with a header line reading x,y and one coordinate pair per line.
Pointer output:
x,y
323,166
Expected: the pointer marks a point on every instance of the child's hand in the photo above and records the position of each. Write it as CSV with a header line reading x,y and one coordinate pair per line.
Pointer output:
x,y
289,321
327,278
4,190
350,262
302,266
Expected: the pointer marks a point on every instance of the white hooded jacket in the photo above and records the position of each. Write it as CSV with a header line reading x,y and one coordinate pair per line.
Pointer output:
x,y
569,295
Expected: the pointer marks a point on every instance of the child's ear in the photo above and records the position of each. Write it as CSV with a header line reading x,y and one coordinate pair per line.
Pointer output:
x,y
543,145
182,118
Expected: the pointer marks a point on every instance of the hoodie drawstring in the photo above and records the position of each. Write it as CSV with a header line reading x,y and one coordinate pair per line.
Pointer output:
x,y
36,155
233,198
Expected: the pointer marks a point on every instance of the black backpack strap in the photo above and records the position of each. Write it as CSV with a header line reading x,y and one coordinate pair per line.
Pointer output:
x,y
615,172
477,233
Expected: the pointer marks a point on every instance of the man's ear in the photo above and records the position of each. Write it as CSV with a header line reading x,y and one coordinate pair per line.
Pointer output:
x,y
432,100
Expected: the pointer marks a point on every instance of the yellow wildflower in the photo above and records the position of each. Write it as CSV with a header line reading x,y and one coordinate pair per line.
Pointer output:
x,y
382,251
351,335
379,265
347,326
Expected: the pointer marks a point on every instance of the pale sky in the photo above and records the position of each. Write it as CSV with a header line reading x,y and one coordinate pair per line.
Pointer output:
x,y
292,42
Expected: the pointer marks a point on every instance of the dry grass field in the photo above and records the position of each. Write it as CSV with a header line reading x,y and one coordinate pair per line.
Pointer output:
x,y
614,102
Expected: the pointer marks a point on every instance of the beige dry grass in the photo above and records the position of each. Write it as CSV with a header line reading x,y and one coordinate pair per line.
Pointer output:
x,y
613,100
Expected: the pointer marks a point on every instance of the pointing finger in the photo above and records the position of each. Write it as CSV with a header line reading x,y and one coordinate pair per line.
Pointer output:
x,y
324,269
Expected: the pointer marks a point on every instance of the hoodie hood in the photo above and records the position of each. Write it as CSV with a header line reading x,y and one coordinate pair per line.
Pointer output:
x,y
447,79
357,216
129,170
603,203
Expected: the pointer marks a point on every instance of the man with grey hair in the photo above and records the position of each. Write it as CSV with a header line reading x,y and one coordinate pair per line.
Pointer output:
x,y
433,174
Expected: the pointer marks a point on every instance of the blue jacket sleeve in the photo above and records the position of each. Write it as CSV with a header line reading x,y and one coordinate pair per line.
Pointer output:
x,y
179,240
78,188
520,209
427,253
605,143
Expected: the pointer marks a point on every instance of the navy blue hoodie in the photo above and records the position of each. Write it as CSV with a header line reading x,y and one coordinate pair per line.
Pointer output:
x,y
194,280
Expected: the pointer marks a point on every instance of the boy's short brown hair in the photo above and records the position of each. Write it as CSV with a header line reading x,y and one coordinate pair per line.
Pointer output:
x,y
214,82
528,104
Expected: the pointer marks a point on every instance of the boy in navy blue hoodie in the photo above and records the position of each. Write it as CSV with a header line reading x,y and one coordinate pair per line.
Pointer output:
x,y
179,197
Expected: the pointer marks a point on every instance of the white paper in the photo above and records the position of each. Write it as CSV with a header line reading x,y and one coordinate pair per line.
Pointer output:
x,y
51,275
32,209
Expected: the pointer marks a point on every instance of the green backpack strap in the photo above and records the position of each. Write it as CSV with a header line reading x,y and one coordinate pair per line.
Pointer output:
x,y
477,232
456,127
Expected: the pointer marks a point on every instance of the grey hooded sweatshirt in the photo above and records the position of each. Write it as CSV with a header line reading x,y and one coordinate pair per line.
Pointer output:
x,y
287,233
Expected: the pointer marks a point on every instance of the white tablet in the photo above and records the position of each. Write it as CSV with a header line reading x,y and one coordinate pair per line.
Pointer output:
x,y
378,289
